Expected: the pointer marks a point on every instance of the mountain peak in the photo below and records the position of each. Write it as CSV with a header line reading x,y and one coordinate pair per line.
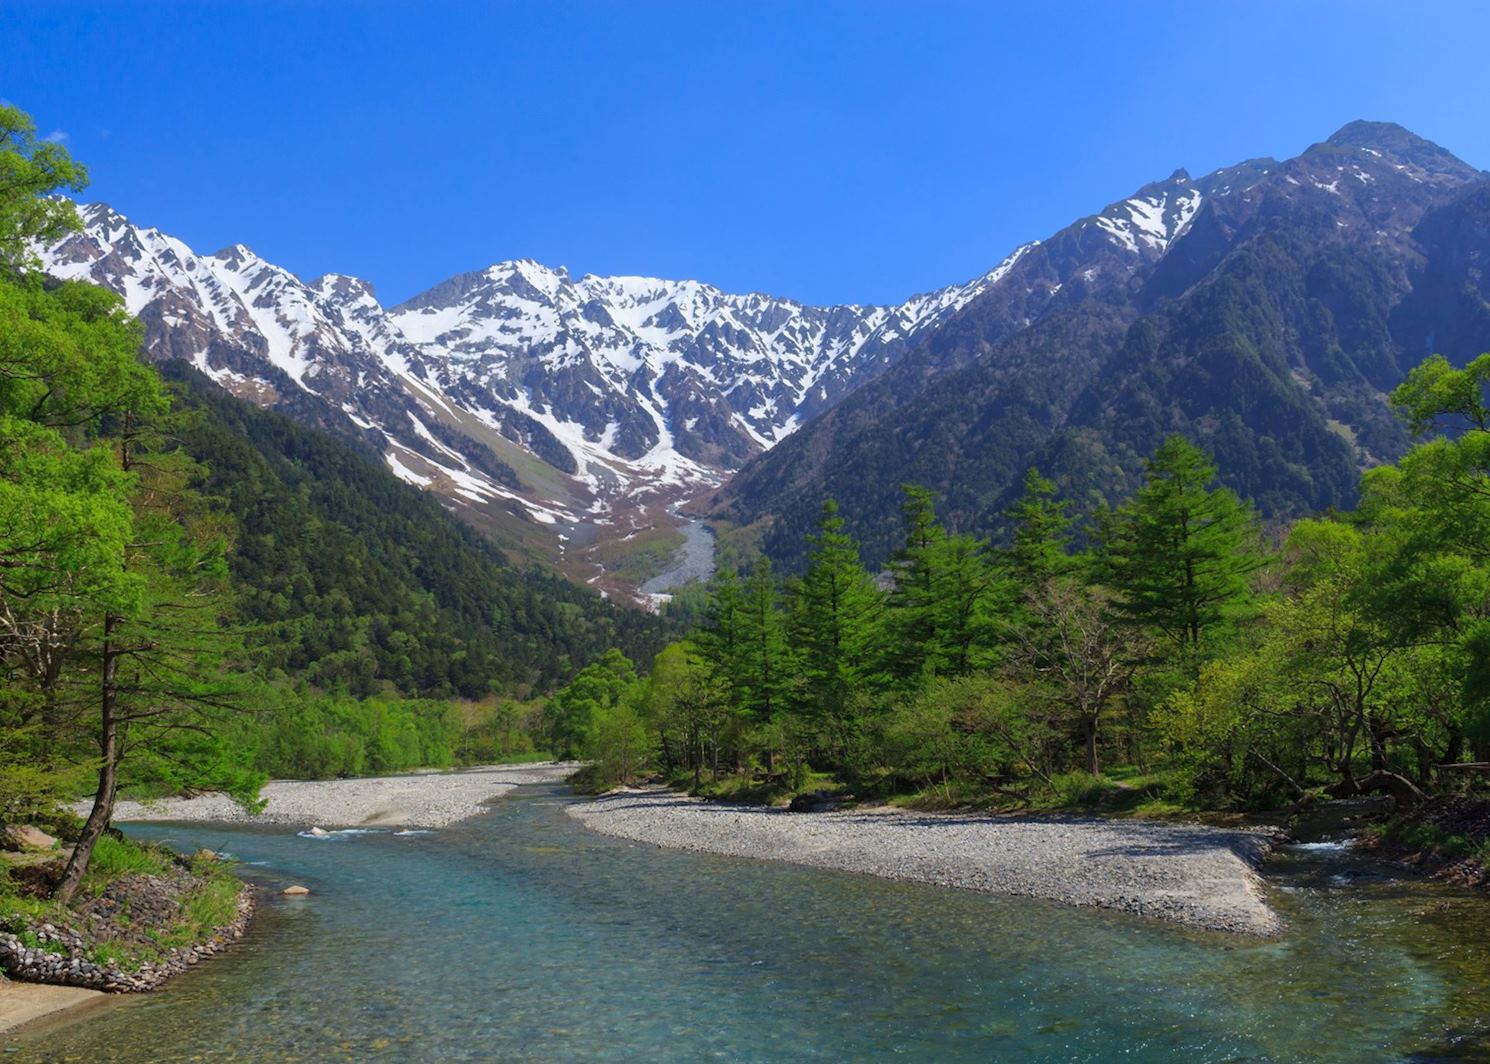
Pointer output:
x,y
1388,138
343,286
236,255
1365,134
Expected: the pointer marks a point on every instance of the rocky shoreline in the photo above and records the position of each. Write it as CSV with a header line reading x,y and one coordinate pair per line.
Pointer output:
x,y
1189,874
61,956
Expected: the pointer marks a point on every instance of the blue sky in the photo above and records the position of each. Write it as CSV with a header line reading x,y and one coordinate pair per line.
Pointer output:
x,y
824,151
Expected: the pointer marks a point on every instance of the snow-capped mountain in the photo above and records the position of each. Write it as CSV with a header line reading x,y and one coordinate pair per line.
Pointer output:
x,y
1265,311
589,404
621,386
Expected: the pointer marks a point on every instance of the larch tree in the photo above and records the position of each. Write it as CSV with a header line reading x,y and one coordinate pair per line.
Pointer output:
x,y
836,623
1179,555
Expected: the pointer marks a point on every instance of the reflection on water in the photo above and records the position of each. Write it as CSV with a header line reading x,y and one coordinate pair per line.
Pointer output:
x,y
520,936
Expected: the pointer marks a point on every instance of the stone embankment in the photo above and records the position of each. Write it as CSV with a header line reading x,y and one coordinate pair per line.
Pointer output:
x,y
62,956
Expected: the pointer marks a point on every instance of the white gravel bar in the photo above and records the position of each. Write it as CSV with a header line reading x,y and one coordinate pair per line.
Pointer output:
x,y
421,800
1187,873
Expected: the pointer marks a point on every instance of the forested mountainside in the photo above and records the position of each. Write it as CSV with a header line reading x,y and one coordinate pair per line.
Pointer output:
x,y
1264,311
350,578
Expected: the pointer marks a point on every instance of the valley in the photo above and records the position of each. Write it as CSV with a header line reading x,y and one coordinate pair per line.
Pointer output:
x,y
849,562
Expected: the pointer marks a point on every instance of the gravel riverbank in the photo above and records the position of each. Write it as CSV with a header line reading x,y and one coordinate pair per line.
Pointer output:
x,y
422,800
1195,875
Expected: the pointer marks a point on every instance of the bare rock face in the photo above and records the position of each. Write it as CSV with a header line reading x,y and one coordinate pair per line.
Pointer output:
x,y
25,837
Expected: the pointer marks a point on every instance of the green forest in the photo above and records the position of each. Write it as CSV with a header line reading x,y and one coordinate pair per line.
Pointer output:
x,y
1169,653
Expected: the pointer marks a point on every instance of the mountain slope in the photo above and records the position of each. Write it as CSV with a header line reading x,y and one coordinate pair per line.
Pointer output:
x,y
1268,326
352,579
549,411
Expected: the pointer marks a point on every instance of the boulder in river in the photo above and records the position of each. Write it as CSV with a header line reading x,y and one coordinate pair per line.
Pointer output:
x,y
296,891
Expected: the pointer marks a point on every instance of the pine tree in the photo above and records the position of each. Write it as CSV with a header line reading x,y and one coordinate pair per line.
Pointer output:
x,y
718,639
969,597
767,664
914,644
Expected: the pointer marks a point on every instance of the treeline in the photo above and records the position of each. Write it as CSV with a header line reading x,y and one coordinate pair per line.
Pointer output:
x,y
300,734
1211,662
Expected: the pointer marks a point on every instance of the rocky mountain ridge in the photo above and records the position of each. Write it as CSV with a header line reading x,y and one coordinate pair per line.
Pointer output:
x,y
1269,328
519,394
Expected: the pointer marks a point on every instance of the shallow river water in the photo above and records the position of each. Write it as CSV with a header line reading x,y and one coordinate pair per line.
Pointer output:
x,y
520,936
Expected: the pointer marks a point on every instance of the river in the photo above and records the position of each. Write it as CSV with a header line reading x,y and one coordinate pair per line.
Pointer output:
x,y
518,935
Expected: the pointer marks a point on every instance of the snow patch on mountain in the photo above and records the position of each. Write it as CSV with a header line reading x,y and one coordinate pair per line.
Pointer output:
x,y
624,385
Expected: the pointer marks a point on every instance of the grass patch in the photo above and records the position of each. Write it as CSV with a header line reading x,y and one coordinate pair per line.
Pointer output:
x,y
211,905
113,857
749,788
1122,792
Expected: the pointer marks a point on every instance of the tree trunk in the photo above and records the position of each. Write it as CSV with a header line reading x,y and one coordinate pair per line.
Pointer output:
x,y
1091,749
108,774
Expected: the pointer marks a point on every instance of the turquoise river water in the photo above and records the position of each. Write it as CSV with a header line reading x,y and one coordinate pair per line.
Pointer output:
x,y
520,936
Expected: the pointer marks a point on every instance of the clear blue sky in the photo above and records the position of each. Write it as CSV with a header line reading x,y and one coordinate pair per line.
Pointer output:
x,y
825,151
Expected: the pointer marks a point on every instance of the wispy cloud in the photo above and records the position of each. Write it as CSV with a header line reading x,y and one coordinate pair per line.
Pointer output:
x,y
56,136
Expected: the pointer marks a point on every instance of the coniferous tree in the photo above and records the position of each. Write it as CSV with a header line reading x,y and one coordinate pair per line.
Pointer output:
x,y
1179,555
1039,546
837,619
914,649
719,638
941,609
970,596
766,664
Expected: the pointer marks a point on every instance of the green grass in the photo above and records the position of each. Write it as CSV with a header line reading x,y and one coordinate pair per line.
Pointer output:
x,y
749,788
118,857
211,905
